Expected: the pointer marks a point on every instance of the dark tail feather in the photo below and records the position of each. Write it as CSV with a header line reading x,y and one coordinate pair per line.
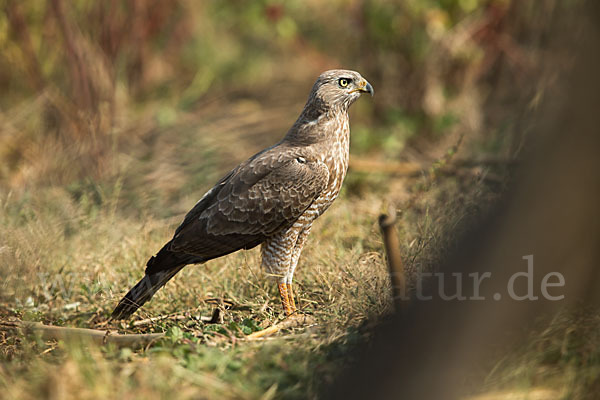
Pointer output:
x,y
142,292
159,270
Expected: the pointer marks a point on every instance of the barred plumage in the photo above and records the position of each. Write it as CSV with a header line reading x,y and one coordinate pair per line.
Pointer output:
x,y
271,199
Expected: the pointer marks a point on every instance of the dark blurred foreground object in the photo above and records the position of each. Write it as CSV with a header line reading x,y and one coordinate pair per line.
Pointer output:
x,y
550,213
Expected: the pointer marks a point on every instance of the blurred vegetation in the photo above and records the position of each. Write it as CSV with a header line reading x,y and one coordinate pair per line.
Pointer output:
x,y
77,77
116,115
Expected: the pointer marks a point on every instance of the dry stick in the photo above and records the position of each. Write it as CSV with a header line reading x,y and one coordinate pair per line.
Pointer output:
x,y
293,321
215,318
48,332
387,223
149,321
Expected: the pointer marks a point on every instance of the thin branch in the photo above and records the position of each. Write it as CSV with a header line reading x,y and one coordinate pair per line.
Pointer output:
x,y
100,337
293,321
215,318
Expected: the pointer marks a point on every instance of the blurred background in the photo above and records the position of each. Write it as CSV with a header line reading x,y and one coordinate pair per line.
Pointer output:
x,y
116,116
88,88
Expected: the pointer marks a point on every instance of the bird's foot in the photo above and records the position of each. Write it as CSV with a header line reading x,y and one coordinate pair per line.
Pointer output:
x,y
287,298
293,319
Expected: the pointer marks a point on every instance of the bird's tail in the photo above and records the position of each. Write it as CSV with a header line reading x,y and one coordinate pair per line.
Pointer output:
x,y
159,270
142,292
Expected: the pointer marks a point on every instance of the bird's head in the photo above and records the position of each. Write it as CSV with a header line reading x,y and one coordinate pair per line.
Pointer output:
x,y
338,88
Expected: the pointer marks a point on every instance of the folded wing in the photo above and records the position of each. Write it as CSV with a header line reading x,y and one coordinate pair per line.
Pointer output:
x,y
263,195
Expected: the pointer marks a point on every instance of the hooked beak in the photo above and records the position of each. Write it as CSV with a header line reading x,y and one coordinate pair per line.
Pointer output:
x,y
367,88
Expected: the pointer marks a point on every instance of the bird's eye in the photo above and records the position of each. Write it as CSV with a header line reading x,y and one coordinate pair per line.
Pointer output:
x,y
343,82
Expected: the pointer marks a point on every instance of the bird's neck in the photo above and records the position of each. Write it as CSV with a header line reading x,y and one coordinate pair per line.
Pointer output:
x,y
318,124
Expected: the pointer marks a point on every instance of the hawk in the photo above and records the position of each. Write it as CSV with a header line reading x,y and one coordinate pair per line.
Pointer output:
x,y
271,199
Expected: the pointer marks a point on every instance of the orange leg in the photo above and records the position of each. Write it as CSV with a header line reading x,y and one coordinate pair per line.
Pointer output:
x,y
289,307
291,301
285,298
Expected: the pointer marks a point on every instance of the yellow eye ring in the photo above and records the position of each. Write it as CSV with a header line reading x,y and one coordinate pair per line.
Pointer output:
x,y
343,82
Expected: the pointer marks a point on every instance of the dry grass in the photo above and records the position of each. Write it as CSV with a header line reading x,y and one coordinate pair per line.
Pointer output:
x,y
79,219
69,254
70,251
77,280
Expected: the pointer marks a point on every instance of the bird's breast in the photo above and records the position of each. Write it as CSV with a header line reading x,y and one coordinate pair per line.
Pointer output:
x,y
335,156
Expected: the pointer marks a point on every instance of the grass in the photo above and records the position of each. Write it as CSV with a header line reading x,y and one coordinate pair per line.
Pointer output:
x,y
79,217
76,279
69,252
560,357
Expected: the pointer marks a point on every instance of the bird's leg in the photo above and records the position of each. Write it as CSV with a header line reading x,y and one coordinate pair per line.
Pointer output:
x,y
290,293
275,266
283,263
285,298
293,318
293,263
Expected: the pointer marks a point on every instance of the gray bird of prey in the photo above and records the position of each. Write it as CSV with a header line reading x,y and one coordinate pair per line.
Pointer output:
x,y
271,199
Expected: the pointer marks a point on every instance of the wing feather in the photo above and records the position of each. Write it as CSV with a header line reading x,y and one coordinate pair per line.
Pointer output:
x,y
257,199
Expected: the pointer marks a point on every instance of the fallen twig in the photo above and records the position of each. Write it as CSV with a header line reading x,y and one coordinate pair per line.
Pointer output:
x,y
293,321
149,321
215,318
101,337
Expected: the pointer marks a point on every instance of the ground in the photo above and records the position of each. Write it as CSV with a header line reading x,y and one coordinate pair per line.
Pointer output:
x,y
74,252
88,192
